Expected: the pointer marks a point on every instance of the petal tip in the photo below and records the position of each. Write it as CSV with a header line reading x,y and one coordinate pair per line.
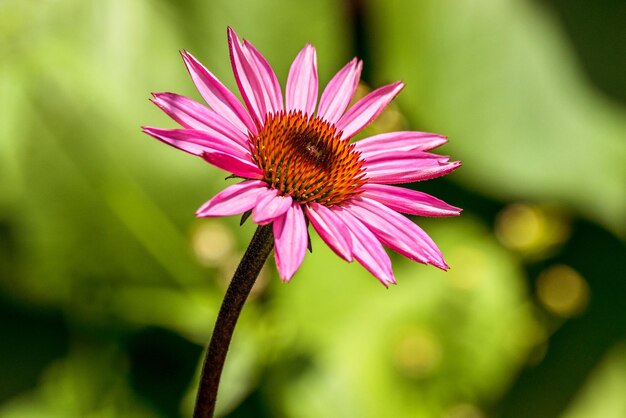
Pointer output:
x,y
148,130
387,280
185,55
232,36
441,264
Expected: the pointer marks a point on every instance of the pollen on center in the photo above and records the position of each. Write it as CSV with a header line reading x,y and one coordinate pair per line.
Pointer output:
x,y
304,157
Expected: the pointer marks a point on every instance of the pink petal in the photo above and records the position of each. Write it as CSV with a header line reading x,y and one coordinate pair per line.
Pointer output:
x,y
233,200
217,95
407,170
332,230
379,145
191,114
197,142
302,82
397,155
367,109
339,91
290,240
367,249
238,166
408,201
255,84
267,75
397,232
270,206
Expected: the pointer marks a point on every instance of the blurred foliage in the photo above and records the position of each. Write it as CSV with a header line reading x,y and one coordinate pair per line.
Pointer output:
x,y
109,287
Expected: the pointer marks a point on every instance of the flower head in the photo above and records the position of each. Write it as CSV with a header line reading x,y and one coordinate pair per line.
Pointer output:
x,y
298,166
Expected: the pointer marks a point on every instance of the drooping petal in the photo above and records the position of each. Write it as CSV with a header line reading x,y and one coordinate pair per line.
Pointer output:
x,y
367,249
267,76
290,240
339,91
301,93
380,145
233,200
407,170
367,109
255,83
217,95
197,142
193,115
238,166
270,206
408,201
397,231
331,229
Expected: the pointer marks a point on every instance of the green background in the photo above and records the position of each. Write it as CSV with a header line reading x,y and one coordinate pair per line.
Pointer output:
x,y
109,286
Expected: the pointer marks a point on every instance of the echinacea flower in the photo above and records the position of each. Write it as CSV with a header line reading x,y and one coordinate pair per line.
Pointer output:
x,y
298,165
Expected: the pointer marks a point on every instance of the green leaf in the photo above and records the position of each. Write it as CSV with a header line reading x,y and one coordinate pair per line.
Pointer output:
x,y
500,80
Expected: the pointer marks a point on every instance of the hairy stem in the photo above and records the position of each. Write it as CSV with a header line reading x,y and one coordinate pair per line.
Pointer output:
x,y
236,295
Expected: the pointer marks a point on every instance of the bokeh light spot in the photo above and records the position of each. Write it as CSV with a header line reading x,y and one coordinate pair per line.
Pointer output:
x,y
562,290
464,410
532,230
228,267
212,243
417,352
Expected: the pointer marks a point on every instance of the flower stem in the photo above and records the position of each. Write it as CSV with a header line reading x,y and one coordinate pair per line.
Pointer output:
x,y
236,295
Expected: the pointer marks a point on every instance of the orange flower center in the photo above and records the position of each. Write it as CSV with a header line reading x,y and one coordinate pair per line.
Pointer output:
x,y
305,158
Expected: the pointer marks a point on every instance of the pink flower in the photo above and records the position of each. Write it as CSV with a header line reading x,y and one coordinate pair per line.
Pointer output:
x,y
298,166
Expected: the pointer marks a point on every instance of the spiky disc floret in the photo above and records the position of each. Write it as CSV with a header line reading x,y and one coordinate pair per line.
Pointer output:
x,y
300,169
304,157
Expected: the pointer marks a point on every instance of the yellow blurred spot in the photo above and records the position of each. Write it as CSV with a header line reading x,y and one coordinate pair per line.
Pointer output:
x,y
391,119
562,290
362,90
519,226
531,229
227,270
417,352
212,243
464,410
